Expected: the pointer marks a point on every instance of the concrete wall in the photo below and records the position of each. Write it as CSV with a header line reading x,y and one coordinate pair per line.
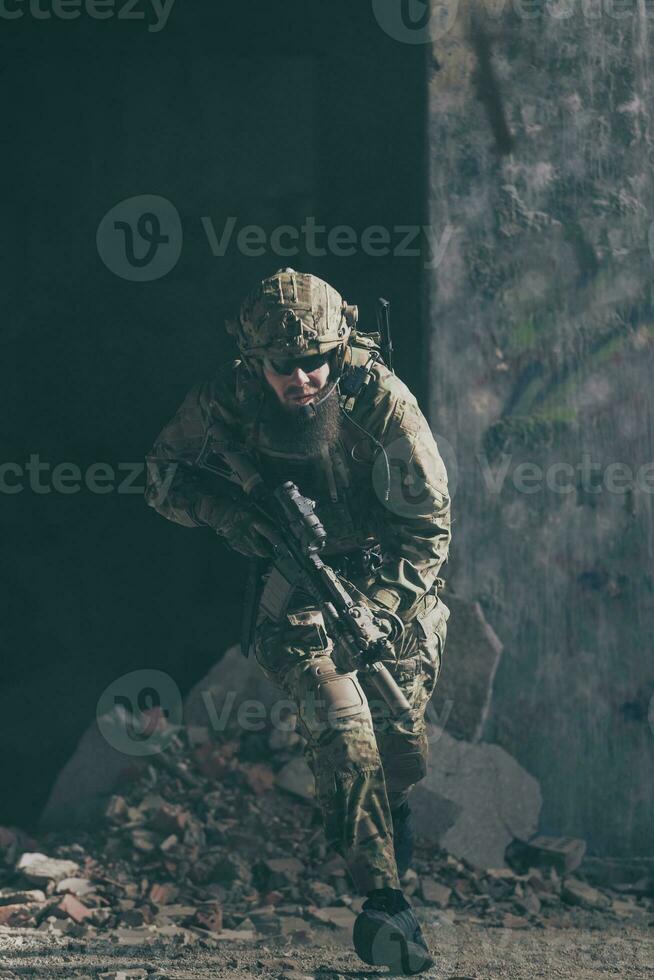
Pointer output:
x,y
543,333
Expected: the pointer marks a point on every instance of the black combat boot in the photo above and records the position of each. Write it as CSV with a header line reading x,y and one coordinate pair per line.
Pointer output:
x,y
403,837
387,933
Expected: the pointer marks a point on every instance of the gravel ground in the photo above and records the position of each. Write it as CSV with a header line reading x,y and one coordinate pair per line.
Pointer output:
x,y
463,950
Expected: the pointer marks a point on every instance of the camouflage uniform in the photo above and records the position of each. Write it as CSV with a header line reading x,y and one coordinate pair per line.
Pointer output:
x,y
363,761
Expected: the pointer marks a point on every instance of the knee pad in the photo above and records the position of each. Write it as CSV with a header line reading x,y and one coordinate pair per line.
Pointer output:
x,y
404,767
330,699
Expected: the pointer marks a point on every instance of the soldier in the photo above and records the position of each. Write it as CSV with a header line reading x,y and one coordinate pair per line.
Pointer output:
x,y
313,402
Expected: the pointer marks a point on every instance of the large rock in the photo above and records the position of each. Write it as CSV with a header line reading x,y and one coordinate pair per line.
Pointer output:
x,y
474,800
84,786
465,686
97,768
235,694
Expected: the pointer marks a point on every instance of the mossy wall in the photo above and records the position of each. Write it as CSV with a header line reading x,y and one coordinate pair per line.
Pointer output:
x,y
541,368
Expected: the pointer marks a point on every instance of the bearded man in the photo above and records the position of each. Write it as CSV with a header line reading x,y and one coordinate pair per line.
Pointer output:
x,y
311,401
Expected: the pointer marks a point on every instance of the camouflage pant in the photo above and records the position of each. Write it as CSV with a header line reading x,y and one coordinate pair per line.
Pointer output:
x,y
363,761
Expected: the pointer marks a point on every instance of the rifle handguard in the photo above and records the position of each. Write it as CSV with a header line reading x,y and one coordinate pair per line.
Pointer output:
x,y
387,688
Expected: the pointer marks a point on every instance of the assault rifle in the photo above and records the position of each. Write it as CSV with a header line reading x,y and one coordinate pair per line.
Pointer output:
x,y
362,637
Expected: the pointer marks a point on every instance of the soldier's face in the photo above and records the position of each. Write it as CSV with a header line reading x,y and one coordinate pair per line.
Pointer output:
x,y
296,384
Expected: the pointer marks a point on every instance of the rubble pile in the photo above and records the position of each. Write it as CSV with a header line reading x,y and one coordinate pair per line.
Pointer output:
x,y
222,841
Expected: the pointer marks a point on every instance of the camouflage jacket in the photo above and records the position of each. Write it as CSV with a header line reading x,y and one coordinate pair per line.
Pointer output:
x,y
365,496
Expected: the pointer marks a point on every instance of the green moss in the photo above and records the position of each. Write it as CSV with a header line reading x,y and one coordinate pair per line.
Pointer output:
x,y
532,391
541,413
526,432
592,362
523,336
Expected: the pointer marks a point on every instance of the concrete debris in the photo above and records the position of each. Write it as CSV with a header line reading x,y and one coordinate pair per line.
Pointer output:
x,y
21,897
74,909
410,882
282,871
475,800
42,870
186,856
577,892
16,915
514,922
124,975
564,854
434,893
163,893
296,778
76,886
321,893
339,917
209,916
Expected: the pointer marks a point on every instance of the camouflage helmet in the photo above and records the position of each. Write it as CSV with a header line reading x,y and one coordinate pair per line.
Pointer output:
x,y
292,314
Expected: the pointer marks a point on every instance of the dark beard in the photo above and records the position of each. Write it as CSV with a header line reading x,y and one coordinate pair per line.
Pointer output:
x,y
301,430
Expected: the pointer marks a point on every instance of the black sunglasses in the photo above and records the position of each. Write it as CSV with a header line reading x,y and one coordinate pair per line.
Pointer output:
x,y
290,364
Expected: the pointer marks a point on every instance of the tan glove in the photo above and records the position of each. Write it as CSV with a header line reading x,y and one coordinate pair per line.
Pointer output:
x,y
248,532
